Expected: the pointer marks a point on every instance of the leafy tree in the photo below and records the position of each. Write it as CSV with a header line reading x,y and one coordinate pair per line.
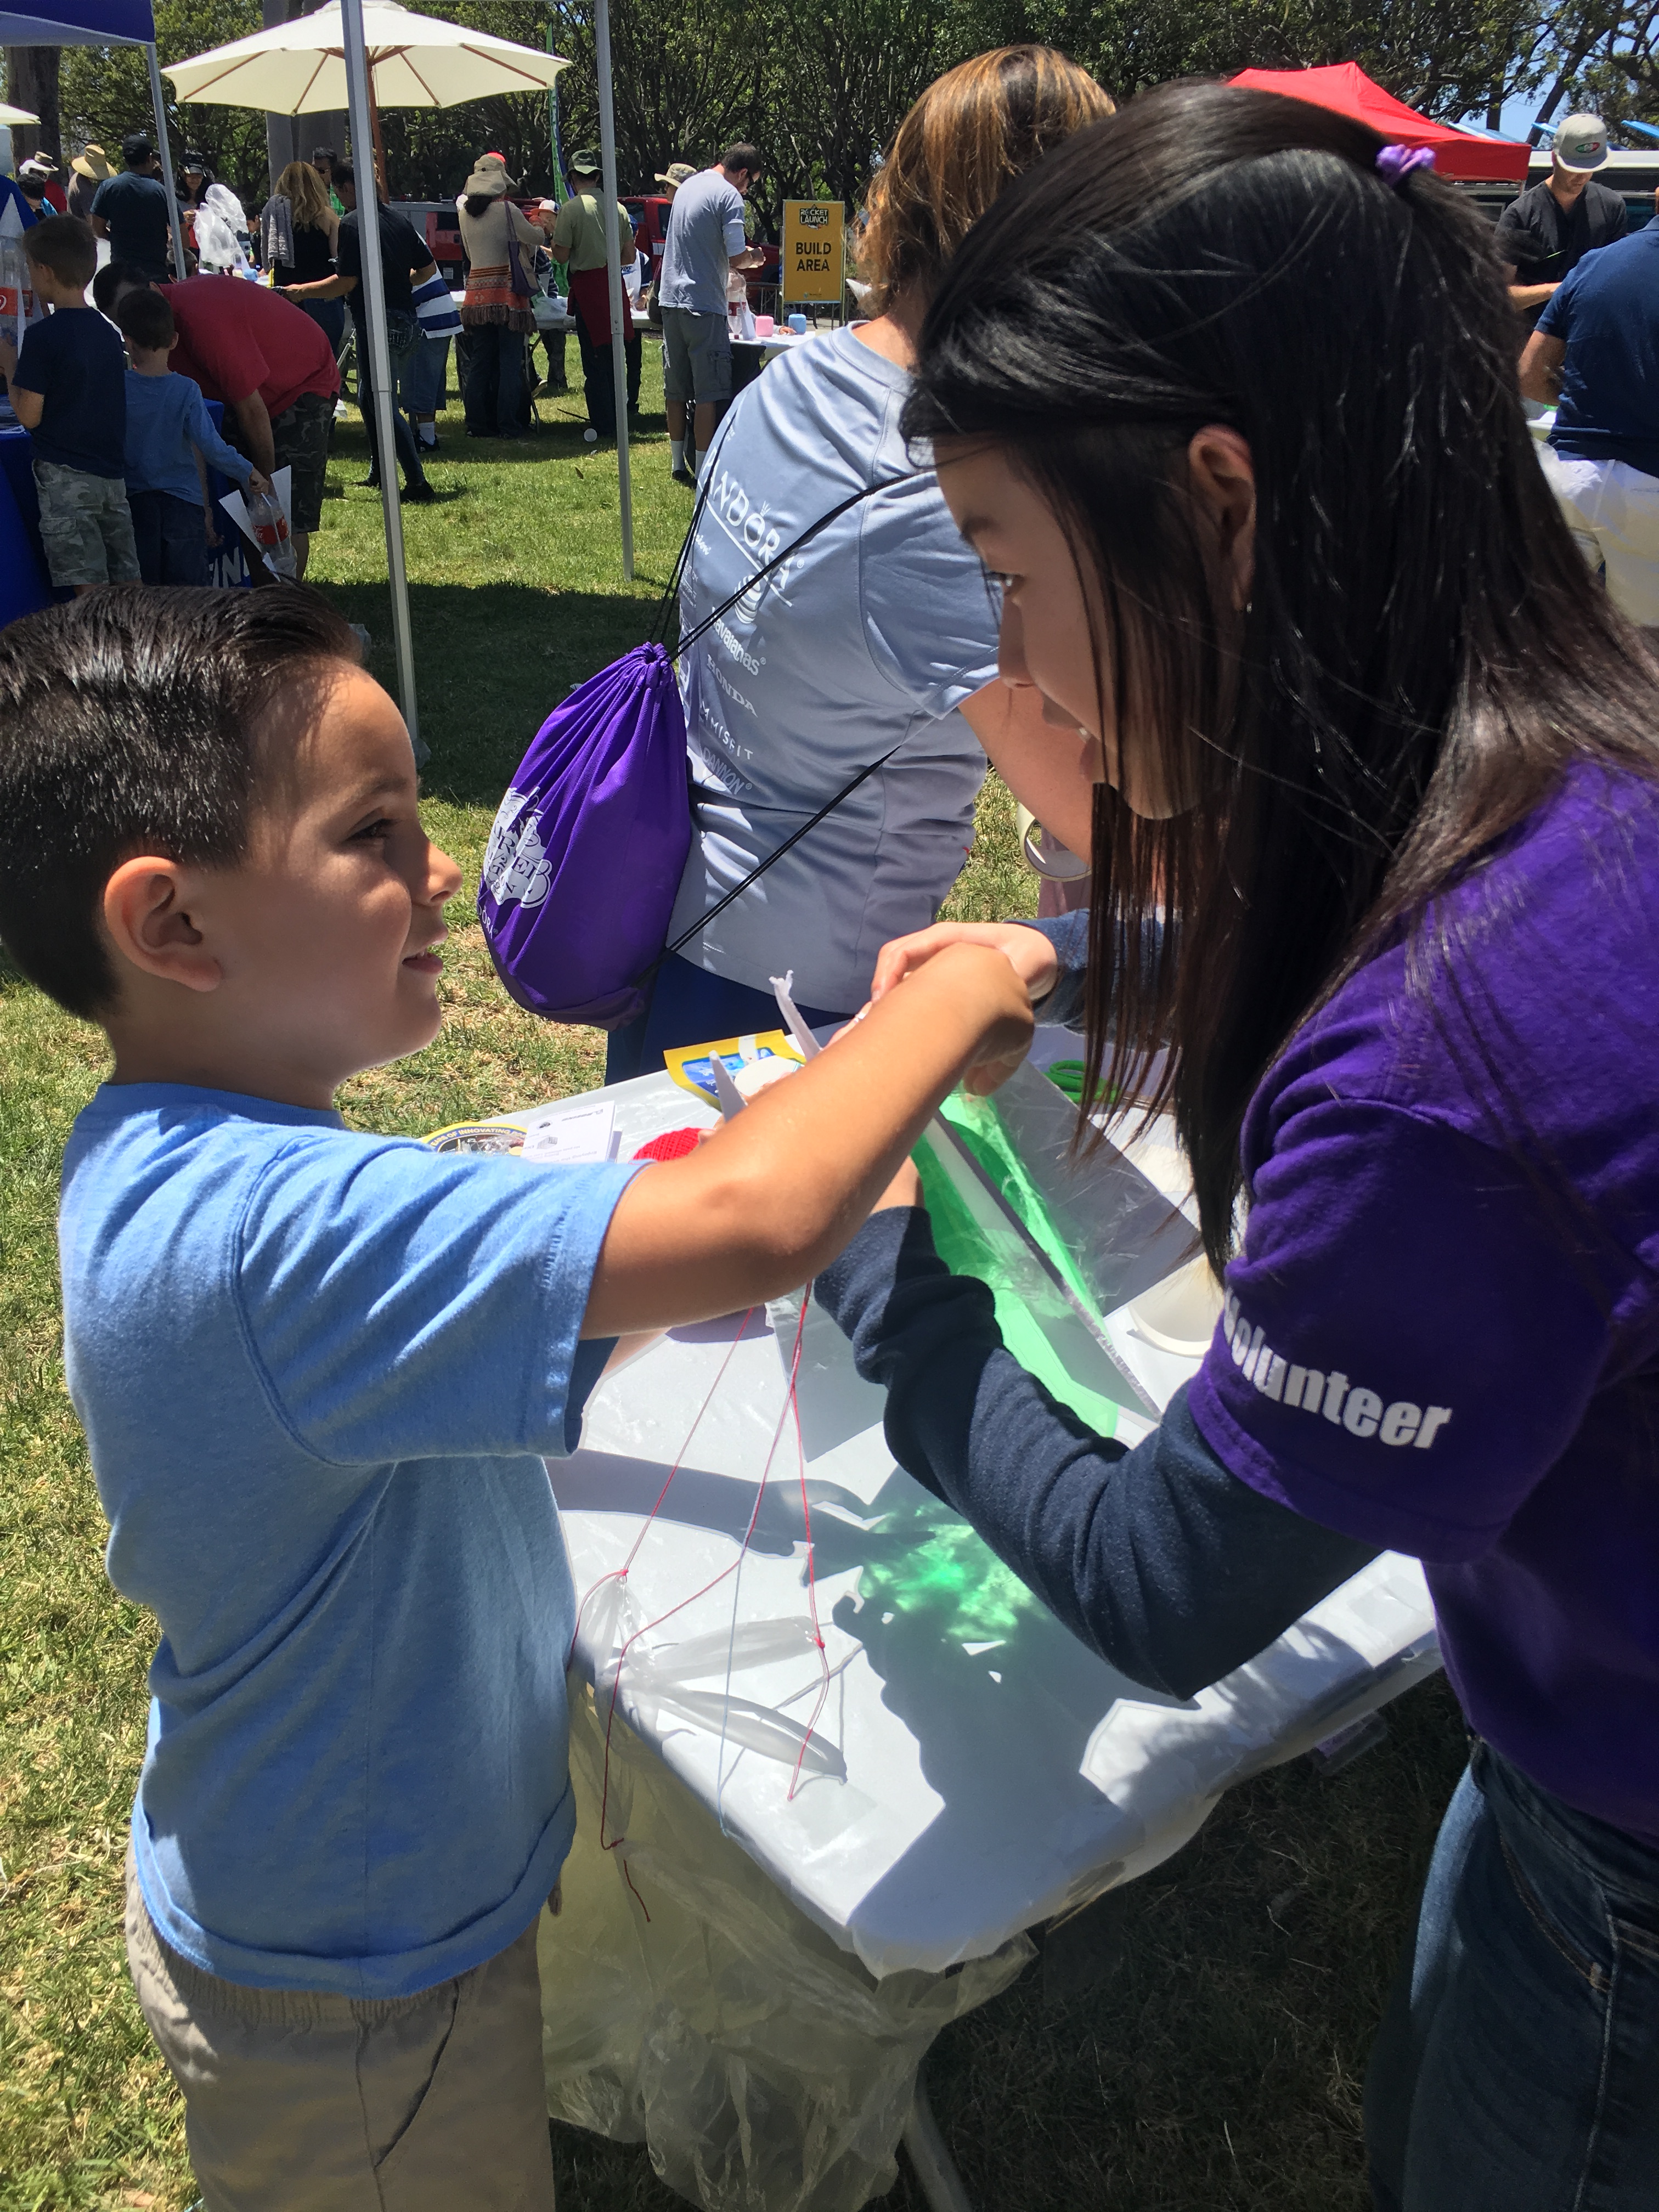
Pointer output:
x,y
104,94
32,83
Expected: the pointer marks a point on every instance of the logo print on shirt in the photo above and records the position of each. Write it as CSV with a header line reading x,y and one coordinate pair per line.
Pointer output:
x,y
515,864
757,536
1360,1412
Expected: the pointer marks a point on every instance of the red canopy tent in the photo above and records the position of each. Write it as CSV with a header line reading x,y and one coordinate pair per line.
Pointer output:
x,y
1347,87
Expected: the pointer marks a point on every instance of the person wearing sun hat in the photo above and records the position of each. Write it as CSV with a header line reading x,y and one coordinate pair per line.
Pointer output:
x,y
496,315
44,196
1543,236
578,241
86,172
675,174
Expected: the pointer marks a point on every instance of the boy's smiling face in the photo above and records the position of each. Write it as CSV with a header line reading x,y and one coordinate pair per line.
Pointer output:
x,y
316,957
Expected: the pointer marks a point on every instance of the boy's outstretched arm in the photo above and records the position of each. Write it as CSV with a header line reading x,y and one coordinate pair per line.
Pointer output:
x,y
776,1193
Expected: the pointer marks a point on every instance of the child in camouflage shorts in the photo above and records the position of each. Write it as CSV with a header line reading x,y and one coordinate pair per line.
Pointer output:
x,y
68,388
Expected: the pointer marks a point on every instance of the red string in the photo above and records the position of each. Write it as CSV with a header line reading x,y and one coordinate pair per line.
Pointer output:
x,y
791,1409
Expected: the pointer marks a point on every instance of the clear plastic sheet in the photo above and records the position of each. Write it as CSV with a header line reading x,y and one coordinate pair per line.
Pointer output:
x,y
687,2004
974,1770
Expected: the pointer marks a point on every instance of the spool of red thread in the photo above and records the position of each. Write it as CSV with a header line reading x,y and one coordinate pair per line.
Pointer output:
x,y
672,1144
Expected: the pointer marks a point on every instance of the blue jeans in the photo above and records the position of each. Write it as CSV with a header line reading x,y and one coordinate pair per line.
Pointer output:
x,y
1518,2069
689,1005
330,317
171,536
402,337
420,380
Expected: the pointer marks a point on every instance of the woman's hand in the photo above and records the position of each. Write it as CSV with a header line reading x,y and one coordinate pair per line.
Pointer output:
x,y
1028,952
905,1189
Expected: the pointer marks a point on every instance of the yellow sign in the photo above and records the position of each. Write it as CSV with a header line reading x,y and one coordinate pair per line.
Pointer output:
x,y
811,267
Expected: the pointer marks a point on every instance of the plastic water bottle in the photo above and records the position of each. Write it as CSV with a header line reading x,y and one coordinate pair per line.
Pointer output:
x,y
269,528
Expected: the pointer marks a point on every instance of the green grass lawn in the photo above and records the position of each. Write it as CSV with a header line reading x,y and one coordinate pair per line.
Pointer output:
x,y
1195,2042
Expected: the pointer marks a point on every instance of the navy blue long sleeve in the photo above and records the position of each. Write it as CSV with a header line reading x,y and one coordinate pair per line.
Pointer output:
x,y
1068,933
1157,1557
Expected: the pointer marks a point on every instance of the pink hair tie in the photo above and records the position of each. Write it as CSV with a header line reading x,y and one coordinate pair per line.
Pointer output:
x,y
1395,163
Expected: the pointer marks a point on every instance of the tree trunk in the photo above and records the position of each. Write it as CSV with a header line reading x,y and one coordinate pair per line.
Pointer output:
x,y
32,82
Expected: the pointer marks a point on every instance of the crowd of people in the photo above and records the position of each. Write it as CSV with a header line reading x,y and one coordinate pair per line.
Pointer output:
x,y
1181,470
306,254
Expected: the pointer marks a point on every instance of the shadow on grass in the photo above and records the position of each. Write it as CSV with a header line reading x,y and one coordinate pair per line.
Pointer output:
x,y
558,430
479,710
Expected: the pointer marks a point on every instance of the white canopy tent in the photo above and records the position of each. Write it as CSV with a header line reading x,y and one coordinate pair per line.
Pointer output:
x,y
374,54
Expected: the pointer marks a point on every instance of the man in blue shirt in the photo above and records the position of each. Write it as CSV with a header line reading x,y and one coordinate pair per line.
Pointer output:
x,y
130,211
705,243
1595,353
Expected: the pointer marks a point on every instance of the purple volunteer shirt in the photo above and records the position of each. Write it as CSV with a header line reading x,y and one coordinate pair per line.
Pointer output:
x,y
1441,1334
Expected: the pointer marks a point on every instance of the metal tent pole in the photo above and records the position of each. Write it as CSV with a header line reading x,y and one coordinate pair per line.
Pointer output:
x,y
613,265
180,266
380,354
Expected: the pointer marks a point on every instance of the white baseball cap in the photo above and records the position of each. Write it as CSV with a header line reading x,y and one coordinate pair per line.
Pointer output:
x,y
1581,143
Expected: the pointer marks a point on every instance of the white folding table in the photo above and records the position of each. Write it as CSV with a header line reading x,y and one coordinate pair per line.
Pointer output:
x,y
974,1770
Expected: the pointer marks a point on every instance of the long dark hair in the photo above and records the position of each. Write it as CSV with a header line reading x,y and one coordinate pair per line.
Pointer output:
x,y
1425,650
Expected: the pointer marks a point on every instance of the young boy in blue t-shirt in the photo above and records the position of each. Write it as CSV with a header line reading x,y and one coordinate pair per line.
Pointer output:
x,y
170,442
320,1371
68,388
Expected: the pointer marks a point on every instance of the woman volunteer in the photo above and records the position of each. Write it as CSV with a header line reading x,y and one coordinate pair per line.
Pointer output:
x,y
878,639
1225,394
298,233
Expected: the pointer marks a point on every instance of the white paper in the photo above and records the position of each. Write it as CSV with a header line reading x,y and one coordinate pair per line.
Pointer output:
x,y
577,1137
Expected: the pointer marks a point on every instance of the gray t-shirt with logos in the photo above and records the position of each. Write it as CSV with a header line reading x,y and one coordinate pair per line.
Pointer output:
x,y
868,640
705,229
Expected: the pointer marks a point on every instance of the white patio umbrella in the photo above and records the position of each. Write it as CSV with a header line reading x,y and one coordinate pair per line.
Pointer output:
x,y
414,61
11,115
366,55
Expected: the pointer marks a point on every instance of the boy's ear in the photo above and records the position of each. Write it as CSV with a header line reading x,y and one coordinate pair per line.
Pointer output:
x,y
146,912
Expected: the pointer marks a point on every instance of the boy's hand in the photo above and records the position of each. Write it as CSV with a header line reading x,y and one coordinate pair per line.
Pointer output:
x,y
257,482
778,1190
1028,952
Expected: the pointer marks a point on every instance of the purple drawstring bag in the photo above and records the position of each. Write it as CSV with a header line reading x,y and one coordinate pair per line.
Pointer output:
x,y
586,855
587,847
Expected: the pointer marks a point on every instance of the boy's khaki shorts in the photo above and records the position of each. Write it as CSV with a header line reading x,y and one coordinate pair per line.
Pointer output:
x,y
86,526
304,2101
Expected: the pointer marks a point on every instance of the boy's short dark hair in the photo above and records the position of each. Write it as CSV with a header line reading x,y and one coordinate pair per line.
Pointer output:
x,y
345,173
146,318
126,722
65,244
743,156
